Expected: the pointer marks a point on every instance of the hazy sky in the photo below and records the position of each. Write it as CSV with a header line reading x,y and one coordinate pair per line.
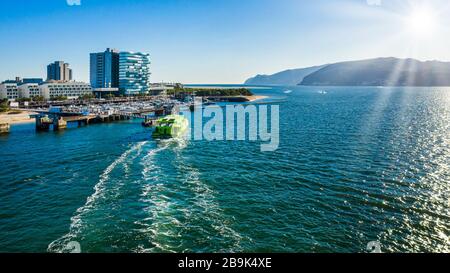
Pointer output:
x,y
218,41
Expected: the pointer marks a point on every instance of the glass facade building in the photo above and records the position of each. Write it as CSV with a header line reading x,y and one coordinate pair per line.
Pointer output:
x,y
134,73
104,69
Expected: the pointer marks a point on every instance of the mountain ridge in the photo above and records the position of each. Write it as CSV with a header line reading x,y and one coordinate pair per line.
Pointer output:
x,y
385,71
382,72
286,77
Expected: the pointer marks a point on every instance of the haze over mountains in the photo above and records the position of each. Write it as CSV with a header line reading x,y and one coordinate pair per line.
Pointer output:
x,y
373,72
287,77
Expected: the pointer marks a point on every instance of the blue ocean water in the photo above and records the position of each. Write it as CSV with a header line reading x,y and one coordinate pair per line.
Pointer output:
x,y
354,165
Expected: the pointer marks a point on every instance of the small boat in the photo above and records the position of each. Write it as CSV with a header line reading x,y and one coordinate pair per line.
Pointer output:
x,y
287,92
172,126
148,122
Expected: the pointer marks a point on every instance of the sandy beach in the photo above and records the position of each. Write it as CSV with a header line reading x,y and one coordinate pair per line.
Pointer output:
x,y
255,98
23,117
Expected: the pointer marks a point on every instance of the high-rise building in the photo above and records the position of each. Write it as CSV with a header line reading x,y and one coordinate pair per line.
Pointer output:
x,y
59,71
104,69
134,73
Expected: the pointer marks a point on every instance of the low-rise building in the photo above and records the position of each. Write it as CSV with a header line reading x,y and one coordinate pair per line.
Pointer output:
x,y
19,80
71,90
9,91
33,80
105,92
29,90
159,88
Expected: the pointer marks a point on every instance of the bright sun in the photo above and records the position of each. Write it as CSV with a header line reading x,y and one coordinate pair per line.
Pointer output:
x,y
422,22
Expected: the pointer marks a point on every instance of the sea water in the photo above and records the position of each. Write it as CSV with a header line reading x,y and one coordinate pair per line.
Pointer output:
x,y
354,165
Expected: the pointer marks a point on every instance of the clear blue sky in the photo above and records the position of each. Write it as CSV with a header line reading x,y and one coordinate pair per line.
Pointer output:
x,y
218,41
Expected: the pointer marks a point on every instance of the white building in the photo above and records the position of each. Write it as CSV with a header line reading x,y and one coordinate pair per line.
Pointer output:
x,y
9,91
29,90
71,90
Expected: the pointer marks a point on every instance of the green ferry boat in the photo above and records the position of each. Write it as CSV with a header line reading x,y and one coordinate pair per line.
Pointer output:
x,y
172,126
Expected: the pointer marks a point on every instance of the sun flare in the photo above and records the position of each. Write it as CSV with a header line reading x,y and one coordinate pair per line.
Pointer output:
x,y
422,22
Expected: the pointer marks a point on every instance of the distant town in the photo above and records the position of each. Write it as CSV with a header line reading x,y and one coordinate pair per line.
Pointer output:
x,y
119,89
112,73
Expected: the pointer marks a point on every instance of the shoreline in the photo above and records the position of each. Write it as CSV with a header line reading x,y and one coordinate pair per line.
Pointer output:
x,y
255,98
21,118
24,116
233,86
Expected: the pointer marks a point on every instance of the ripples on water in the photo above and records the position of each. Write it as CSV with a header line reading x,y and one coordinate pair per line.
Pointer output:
x,y
354,166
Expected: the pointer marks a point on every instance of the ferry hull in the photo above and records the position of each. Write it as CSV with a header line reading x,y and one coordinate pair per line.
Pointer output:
x,y
173,126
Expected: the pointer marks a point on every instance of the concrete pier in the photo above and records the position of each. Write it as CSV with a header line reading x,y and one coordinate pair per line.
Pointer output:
x,y
44,122
59,124
4,128
58,118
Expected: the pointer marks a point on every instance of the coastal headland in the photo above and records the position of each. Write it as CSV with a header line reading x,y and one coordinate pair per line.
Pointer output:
x,y
214,93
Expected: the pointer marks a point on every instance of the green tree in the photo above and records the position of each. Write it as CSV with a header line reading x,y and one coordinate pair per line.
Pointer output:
x,y
38,99
23,100
109,96
87,96
4,106
59,98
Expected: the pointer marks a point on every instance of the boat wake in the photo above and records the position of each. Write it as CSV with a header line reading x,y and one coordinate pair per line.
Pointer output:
x,y
183,212
206,213
100,190
151,200
158,223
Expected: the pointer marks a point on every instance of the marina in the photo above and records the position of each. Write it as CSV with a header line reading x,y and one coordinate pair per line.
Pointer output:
x,y
85,113
56,115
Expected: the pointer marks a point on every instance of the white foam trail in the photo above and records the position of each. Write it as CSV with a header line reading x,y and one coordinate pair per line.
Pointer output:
x,y
159,205
76,221
148,164
161,226
98,188
205,199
